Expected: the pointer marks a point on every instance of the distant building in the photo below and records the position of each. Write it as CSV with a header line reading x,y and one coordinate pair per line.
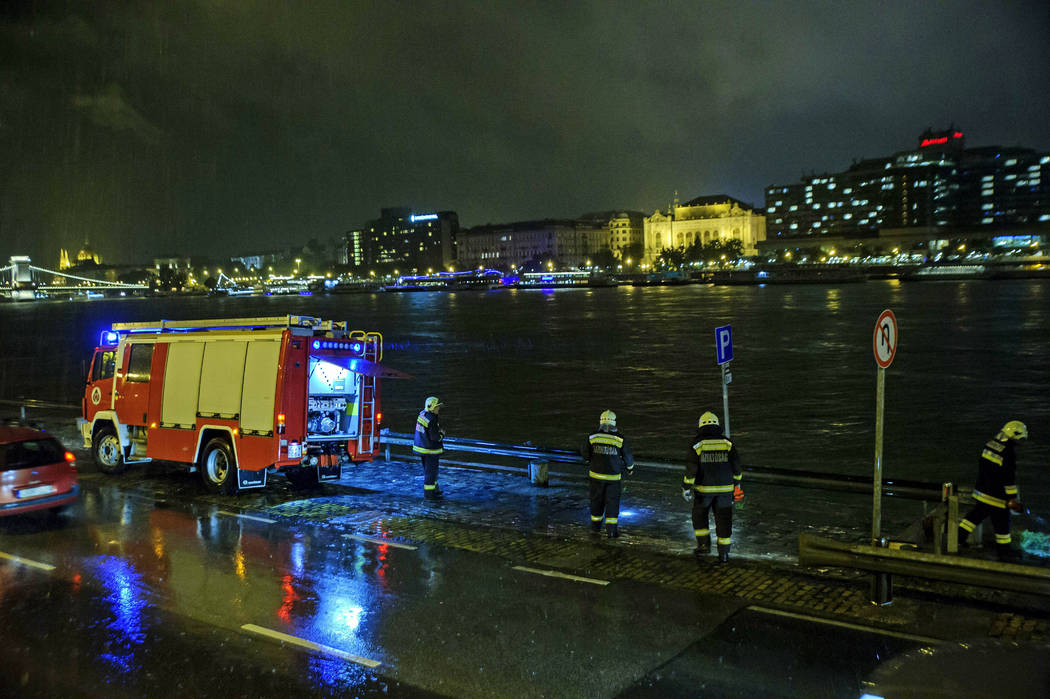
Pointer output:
x,y
939,190
175,264
565,242
625,229
85,254
405,239
705,219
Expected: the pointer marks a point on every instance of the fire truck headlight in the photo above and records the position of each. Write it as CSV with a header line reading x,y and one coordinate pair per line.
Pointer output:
x,y
313,460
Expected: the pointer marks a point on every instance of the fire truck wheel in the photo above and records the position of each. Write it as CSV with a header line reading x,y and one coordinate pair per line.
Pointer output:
x,y
218,468
108,453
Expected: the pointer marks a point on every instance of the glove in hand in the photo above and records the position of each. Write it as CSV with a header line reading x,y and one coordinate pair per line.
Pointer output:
x,y
1016,506
687,495
738,494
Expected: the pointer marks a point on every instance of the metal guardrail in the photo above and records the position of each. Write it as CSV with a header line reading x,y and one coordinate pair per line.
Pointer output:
x,y
31,403
818,551
915,490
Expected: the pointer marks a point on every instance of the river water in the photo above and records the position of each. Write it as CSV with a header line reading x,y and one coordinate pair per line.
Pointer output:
x,y
516,365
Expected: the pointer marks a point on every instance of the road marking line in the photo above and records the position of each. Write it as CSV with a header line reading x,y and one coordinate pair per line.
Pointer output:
x,y
846,625
26,561
382,542
556,574
310,645
257,519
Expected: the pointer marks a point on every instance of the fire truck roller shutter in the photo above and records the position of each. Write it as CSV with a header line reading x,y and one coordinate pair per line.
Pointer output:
x,y
260,386
182,374
222,377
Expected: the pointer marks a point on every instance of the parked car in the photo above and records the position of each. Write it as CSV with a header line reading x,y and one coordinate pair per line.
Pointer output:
x,y
36,471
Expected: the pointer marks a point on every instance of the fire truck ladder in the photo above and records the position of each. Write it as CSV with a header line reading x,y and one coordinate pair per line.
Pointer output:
x,y
373,352
289,321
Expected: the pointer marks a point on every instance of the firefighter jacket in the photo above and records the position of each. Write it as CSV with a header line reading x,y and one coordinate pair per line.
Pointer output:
x,y
428,434
996,482
713,467
608,455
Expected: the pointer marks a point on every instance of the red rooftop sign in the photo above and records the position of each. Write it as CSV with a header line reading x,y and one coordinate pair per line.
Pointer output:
x,y
939,141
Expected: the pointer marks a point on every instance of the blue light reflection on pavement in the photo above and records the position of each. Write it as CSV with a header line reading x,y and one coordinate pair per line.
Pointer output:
x,y
335,601
125,595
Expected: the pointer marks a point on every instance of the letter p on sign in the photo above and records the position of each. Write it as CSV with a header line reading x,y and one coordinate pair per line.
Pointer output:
x,y
724,344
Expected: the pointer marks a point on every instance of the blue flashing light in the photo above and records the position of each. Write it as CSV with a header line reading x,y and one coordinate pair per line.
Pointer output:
x,y
763,275
109,338
317,344
356,347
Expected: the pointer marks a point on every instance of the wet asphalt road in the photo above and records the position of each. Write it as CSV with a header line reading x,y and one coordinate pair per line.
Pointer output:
x,y
148,585
159,599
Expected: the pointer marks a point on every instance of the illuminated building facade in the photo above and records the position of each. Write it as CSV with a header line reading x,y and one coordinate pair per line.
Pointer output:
x,y
704,219
405,239
938,190
564,242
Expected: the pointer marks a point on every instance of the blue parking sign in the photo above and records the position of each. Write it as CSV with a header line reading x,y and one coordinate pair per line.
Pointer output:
x,y
724,344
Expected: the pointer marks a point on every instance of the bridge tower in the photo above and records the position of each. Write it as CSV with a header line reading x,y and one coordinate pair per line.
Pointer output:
x,y
22,284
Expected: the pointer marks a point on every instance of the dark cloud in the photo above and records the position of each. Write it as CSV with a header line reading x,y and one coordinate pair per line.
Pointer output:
x,y
225,127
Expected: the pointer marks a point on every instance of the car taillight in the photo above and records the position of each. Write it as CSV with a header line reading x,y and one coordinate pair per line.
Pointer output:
x,y
379,418
71,459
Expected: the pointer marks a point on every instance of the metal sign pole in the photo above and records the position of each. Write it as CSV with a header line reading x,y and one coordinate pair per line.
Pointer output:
x,y
725,399
876,507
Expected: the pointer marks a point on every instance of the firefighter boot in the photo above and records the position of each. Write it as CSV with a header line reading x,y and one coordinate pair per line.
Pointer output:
x,y
703,546
723,553
596,527
613,530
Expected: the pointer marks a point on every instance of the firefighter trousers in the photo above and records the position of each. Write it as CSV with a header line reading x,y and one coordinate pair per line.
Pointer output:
x,y
605,501
1000,517
722,504
430,471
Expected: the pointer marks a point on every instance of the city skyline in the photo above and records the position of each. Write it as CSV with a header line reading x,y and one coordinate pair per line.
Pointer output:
x,y
173,126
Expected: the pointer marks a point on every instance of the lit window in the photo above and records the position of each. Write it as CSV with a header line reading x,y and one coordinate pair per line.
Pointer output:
x,y
1011,161
794,207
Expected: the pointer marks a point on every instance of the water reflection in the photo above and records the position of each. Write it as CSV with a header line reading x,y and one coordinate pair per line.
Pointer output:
x,y
832,299
125,596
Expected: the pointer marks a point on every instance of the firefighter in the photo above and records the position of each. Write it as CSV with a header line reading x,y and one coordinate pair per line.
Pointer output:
x,y
428,444
713,472
996,489
609,457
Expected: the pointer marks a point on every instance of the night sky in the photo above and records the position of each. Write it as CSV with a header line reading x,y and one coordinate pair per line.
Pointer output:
x,y
220,128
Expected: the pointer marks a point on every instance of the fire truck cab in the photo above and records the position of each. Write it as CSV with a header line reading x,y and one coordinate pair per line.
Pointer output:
x,y
236,399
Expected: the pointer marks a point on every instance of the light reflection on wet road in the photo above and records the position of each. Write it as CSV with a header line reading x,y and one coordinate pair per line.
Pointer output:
x,y
152,594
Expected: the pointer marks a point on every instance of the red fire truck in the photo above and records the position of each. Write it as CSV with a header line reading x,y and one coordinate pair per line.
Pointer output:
x,y
236,399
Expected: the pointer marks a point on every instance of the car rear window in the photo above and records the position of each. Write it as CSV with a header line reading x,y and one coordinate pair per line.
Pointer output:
x,y
30,453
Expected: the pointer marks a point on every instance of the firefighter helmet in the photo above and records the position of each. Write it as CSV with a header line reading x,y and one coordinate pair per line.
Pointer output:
x,y
432,403
708,418
1015,429
608,417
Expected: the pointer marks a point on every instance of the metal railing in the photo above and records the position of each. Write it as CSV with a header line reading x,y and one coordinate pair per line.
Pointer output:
x,y
818,551
910,489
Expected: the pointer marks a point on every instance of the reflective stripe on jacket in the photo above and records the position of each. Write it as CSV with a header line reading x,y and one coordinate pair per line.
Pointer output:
x,y
714,465
996,472
428,434
608,455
